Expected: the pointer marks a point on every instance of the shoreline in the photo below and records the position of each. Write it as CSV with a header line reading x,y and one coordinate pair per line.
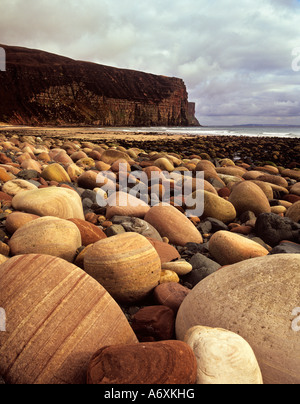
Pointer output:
x,y
251,150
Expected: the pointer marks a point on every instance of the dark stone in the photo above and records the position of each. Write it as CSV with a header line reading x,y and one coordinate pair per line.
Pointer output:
x,y
272,229
202,267
28,174
89,194
194,248
114,230
246,216
211,225
137,225
286,247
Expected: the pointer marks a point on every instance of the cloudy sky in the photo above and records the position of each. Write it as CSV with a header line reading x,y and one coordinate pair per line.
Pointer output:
x,y
235,57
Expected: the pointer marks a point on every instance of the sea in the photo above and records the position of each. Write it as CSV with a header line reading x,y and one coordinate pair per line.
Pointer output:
x,y
248,130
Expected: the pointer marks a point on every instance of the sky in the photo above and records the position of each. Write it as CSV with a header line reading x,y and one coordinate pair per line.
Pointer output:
x,y
240,60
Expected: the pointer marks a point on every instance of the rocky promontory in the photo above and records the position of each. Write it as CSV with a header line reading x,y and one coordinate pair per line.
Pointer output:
x,y
41,88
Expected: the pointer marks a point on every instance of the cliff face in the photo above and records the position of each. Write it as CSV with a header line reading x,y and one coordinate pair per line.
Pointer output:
x,y
39,88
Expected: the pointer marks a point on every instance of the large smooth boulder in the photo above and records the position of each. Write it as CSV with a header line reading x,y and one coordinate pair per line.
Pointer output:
x,y
127,265
255,299
52,328
47,235
52,201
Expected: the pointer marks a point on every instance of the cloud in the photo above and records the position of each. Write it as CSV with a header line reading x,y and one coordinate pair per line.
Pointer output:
x,y
235,57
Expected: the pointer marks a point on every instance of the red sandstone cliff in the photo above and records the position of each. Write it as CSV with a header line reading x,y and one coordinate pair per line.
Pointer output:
x,y
40,88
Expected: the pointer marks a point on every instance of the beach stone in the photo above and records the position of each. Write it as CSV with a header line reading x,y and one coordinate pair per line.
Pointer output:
x,y
53,329
4,249
74,172
274,179
137,225
294,212
266,188
248,196
255,299
60,156
90,233
217,208
295,189
202,267
286,247
278,210
162,362
31,164
3,258
272,229
127,265
114,230
4,197
170,294
168,276
15,220
229,248
55,172
5,176
291,199
110,156
233,171
174,225
17,186
166,252
164,164
211,225
88,180
294,174
252,175
47,235
28,175
123,204
154,323
223,357
44,157
180,267
52,201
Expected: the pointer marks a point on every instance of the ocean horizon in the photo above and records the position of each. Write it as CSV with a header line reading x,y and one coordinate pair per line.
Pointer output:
x,y
282,131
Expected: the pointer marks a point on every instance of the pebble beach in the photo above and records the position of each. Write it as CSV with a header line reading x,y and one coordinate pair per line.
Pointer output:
x,y
140,293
